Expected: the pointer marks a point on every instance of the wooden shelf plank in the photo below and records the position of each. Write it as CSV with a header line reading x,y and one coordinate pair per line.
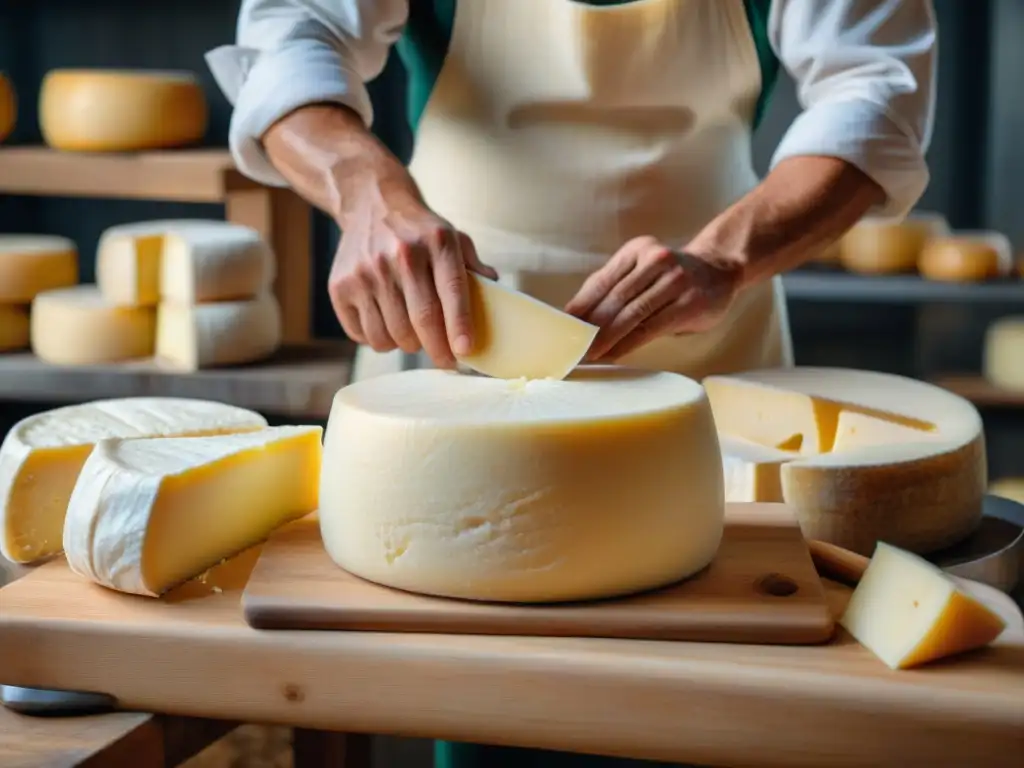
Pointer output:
x,y
980,391
835,285
191,175
300,382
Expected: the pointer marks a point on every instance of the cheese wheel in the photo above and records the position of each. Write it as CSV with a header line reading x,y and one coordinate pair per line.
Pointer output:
x,y
31,264
1003,355
185,261
97,110
8,107
882,457
878,246
75,326
966,257
14,328
42,455
606,483
191,337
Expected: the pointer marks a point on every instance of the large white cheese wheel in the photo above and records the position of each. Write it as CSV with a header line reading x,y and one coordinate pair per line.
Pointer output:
x,y
76,326
877,457
966,257
1003,358
8,107
603,484
146,515
106,110
31,264
42,455
184,261
14,328
195,336
877,246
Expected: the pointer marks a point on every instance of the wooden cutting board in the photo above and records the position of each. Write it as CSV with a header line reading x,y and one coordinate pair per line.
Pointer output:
x,y
762,588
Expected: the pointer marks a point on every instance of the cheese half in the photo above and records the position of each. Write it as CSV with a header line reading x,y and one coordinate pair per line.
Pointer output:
x,y
195,336
14,328
908,612
31,264
41,456
1003,357
146,515
603,484
8,107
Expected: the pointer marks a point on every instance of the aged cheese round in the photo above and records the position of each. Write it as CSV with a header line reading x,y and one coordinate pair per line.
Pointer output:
x,y
14,328
1003,356
8,107
875,457
605,483
883,246
76,326
97,110
30,264
966,257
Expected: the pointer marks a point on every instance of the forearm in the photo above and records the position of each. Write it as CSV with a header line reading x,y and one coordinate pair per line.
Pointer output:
x,y
802,206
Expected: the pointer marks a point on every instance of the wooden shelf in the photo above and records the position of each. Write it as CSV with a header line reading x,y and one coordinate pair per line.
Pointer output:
x,y
835,285
980,391
299,382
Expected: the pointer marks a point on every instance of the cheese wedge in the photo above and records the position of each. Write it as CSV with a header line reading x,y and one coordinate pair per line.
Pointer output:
x,y
41,456
194,336
606,483
14,328
520,337
147,515
31,264
908,612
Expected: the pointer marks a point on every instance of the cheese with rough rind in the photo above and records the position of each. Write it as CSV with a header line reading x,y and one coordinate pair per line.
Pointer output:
x,y
147,515
41,456
606,483
752,471
518,336
195,336
880,246
8,107
108,110
76,326
184,261
31,264
921,495
1003,356
908,612
14,328
966,257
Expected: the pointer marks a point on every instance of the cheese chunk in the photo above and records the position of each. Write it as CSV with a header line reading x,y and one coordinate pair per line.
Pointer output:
x,y
966,257
518,336
14,328
75,326
31,264
752,471
1003,357
147,515
908,612
877,246
190,337
606,483
862,474
187,261
8,107
97,110
41,456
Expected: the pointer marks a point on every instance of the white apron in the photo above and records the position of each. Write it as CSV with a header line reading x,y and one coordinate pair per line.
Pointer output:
x,y
558,131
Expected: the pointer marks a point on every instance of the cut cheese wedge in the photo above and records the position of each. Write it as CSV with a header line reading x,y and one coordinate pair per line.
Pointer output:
x,y
8,107
752,471
606,483
31,264
42,455
147,515
195,336
14,328
908,612
883,457
520,337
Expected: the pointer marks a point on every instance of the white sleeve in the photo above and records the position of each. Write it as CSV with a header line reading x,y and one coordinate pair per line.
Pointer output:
x,y
865,76
290,53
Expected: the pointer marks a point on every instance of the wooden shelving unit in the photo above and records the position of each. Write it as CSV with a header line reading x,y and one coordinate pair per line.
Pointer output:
x,y
980,391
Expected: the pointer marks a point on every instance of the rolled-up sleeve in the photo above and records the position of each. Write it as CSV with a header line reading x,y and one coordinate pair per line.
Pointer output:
x,y
865,76
290,53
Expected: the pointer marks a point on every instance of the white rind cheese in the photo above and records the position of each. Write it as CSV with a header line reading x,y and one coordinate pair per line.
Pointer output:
x,y
14,328
41,456
1004,353
604,484
31,264
146,515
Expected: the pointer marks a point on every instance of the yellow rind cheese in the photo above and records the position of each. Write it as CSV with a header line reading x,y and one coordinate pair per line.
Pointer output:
x,y
877,246
14,328
966,257
8,107
31,264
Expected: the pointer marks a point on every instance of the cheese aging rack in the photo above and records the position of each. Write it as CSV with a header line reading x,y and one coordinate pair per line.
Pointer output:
x,y
302,377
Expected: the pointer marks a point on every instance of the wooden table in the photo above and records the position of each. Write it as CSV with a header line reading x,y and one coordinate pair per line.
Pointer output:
x,y
728,705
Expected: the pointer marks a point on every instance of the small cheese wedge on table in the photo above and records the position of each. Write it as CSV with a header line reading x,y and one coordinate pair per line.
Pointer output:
x,y
908,612
147,515
42,455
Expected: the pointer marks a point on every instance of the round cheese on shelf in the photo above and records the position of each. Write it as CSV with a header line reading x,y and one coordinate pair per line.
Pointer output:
x,y
1003,356
31,264
186,261
8,107
966,257
880,457
103,110
76,326
876,246
14,328
194,336
605,483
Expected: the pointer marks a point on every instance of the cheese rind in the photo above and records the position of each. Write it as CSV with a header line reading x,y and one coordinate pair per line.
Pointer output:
x,y
76,326
518,336
191,337
966,257
14,328
1003,357
31,264
41,456
146,515
8,107
908,612
603,484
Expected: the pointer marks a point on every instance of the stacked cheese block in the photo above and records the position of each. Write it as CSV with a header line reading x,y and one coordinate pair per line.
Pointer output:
x,y
30,265
8,107
194,293
145,493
